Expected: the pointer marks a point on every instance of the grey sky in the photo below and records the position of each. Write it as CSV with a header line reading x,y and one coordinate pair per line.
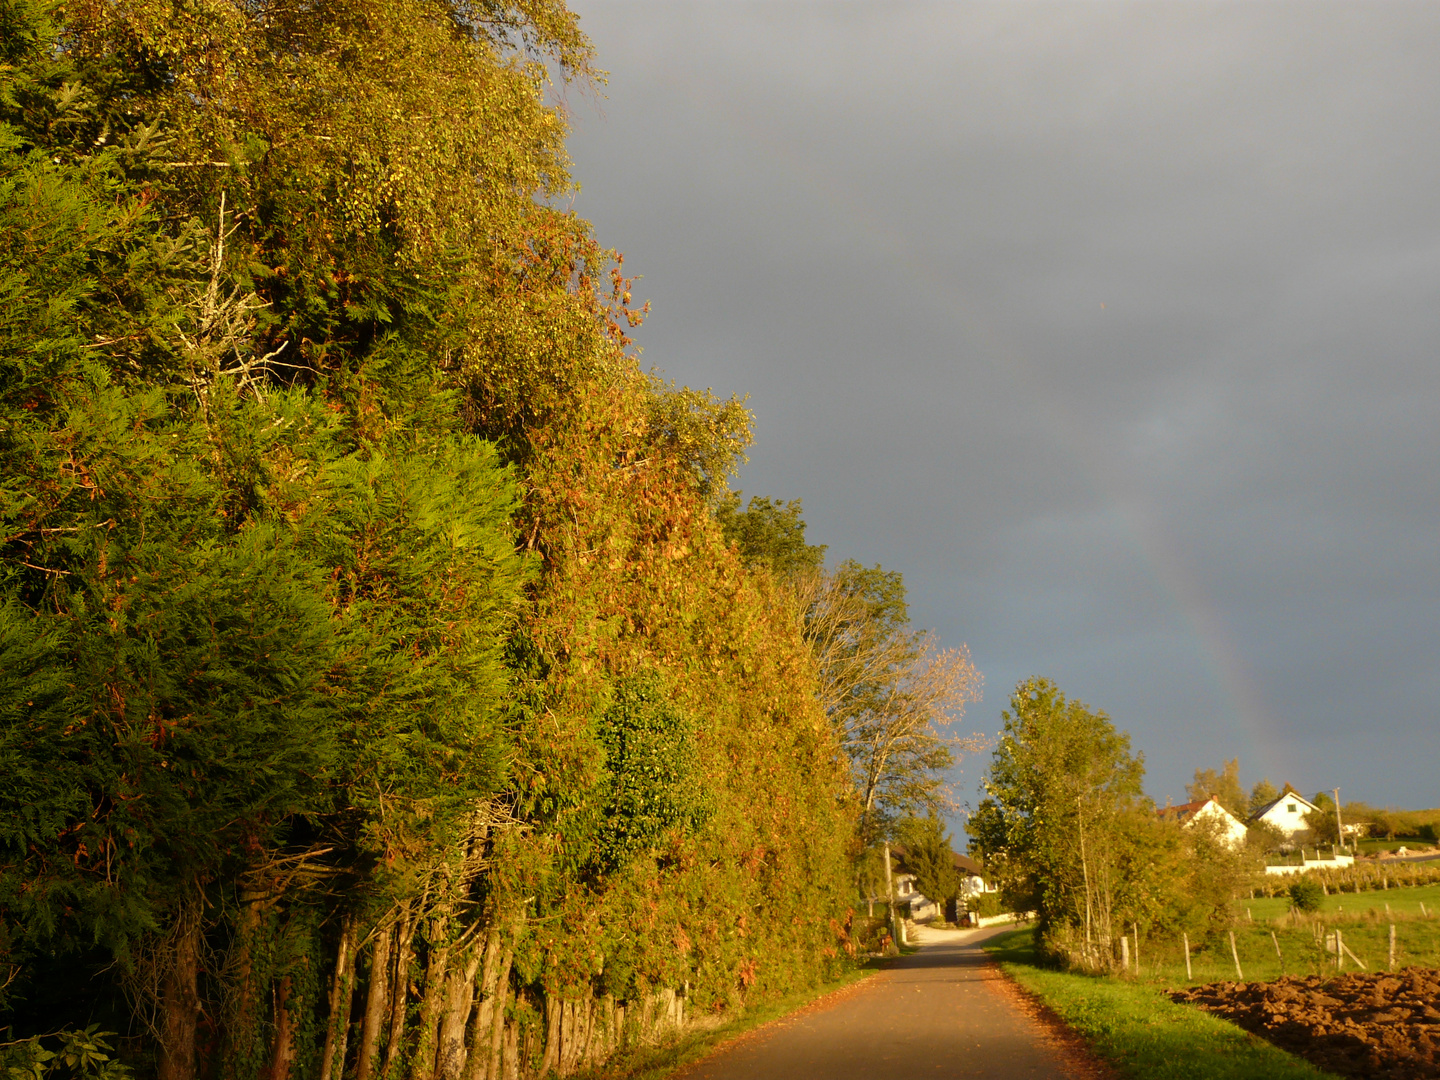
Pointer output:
x,y
1113,326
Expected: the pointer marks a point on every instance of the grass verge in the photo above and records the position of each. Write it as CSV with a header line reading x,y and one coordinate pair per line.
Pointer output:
x,y
657,1062
1140,1031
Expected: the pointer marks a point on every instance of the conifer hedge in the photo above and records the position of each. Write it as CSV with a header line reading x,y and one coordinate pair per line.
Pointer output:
x,y
378,695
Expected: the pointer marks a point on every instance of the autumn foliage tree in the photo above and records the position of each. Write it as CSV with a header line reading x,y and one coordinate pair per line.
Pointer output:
x,y
891,692
1223,785
1067,831
378,690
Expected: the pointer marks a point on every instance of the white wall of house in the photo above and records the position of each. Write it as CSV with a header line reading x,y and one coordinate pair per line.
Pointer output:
x,y
1287,814
1232,829
974,884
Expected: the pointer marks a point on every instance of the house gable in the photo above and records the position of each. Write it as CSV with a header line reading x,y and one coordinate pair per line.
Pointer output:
x,y
1187,814
1286,812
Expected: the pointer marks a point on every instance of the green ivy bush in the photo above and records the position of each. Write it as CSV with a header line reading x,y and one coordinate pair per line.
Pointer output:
x,y
1307,895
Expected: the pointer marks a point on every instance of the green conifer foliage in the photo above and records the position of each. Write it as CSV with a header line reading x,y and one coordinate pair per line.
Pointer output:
x,y
374,673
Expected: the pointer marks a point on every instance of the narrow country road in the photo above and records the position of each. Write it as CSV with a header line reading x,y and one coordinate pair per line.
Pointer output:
x,y
943,1012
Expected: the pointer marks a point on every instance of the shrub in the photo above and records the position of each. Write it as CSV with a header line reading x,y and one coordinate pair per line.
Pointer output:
x,y
985,905
1307,895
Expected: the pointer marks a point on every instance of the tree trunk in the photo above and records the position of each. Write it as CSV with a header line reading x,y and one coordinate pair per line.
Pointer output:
x,y
511,1043
459,1003
477,1067
400,1002
242,1035
283,1054
422,1062
1085,872
342,986
377,1005
180,997
890,899
502,989
551,1055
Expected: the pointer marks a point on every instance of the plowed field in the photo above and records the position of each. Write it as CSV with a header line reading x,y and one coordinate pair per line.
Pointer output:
x,y
1380,1026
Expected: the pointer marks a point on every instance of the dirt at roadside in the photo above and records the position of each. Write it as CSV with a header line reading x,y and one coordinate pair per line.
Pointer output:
x,y
1380,1026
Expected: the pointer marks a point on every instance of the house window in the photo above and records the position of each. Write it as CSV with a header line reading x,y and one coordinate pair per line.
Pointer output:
x,y
1290,808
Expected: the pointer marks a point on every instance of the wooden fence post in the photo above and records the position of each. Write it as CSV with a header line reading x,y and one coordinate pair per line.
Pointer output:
x,y
1124,953
1352,956
1188,977
1278,954
1234,952
1392,946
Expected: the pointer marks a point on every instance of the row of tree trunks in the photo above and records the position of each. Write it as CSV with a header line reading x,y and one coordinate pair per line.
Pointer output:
x,y
440,1049
462,1030
583,1033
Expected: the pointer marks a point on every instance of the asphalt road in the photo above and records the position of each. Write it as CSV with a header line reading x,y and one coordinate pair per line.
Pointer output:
x,y
943,1012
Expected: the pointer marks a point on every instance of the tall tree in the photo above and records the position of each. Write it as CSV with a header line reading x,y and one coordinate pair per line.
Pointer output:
x,y
1065,825
1223,785
770,534
1061,790
891,692
930,856
1261,795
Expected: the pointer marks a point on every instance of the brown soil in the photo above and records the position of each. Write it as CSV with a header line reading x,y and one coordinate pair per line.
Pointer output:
x,y
1381,1027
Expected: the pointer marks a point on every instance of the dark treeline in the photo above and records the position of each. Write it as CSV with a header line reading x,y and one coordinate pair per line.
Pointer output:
x,y
389,684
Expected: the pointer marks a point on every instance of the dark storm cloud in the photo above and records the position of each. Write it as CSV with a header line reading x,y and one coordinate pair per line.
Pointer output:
x,y
1209,505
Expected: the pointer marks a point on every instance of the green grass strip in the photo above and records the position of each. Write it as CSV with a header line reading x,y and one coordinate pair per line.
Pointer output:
x,y
1140,1031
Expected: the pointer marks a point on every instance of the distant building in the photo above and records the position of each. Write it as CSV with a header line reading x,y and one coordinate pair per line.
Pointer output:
x,y
973,880
1232,830
914,905
1286,813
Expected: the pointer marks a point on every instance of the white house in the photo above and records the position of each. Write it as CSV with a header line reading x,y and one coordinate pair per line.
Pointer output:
x,y
909,901
913,904
1286,812
972,877
1230,828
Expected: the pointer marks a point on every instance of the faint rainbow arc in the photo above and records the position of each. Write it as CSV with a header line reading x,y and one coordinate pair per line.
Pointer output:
x,y
1169,570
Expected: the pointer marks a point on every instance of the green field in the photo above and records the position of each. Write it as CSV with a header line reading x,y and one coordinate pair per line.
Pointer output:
x,y
1402,902
1140,1031
1361,918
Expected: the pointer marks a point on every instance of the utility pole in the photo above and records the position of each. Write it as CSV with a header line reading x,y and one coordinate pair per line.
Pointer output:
x,y
895,932
1339,828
